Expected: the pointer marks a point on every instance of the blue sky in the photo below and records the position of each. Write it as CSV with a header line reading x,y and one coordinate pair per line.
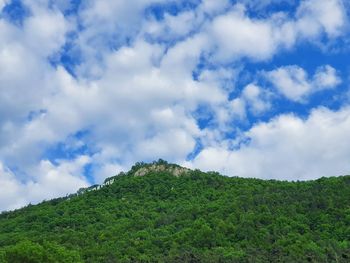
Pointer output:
x,y
247,88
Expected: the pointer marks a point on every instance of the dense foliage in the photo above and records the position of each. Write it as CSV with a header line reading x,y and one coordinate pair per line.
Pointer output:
x,y
198,217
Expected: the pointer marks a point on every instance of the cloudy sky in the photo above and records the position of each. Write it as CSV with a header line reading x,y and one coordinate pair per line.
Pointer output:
x,y
244,87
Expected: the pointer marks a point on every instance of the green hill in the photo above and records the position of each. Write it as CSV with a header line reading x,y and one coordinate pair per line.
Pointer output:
x,y
164,213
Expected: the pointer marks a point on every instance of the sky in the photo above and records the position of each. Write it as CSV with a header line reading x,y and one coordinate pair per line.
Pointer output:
x,y
247,88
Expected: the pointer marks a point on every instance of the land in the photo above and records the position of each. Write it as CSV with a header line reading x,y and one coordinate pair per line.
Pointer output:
x,y
162,212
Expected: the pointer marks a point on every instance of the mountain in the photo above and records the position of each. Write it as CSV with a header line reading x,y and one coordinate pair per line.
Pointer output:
x,y
162,212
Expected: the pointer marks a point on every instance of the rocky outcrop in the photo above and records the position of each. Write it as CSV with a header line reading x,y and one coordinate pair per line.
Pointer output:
x,y
141,169
172,169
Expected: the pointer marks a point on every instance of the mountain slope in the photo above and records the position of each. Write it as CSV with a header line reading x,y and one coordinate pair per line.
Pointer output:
x,y
191,217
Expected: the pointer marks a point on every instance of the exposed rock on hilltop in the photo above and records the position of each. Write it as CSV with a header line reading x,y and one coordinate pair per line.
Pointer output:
x,y
139,169
162,167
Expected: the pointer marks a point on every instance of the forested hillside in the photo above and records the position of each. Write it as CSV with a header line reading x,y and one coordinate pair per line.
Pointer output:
x,y
190,217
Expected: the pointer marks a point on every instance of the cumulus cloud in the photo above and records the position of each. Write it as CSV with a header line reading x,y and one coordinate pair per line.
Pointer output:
x,y
293,81
257,98
286,147
238,108
50,181
213,7
313,15
172,27
254,99
326,77
10,197
21,44
138,85
235,34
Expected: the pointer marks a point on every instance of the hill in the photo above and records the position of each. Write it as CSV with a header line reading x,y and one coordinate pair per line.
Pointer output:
x,y
165,213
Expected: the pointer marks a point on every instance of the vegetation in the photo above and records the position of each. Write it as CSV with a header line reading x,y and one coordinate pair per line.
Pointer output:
x,y
196,217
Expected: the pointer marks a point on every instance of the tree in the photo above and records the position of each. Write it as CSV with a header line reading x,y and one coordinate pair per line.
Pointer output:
x,y
30,252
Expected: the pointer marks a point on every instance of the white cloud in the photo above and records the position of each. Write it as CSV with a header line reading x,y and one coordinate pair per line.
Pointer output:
x,y
169,145
19,77
56,180
238,108
50,181
27,81
235,35
213,7
142,102
172,27
287,147
220,77
108,170
293,82
313,15
253,98
10,197
135,99
257,98
326,77
176,27
107,25
44,32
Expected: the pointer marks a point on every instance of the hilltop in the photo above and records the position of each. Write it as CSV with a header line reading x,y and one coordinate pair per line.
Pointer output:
x,y
162,212
139,169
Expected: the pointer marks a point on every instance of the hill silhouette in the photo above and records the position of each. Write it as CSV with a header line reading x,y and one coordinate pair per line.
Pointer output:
x,y
161,212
